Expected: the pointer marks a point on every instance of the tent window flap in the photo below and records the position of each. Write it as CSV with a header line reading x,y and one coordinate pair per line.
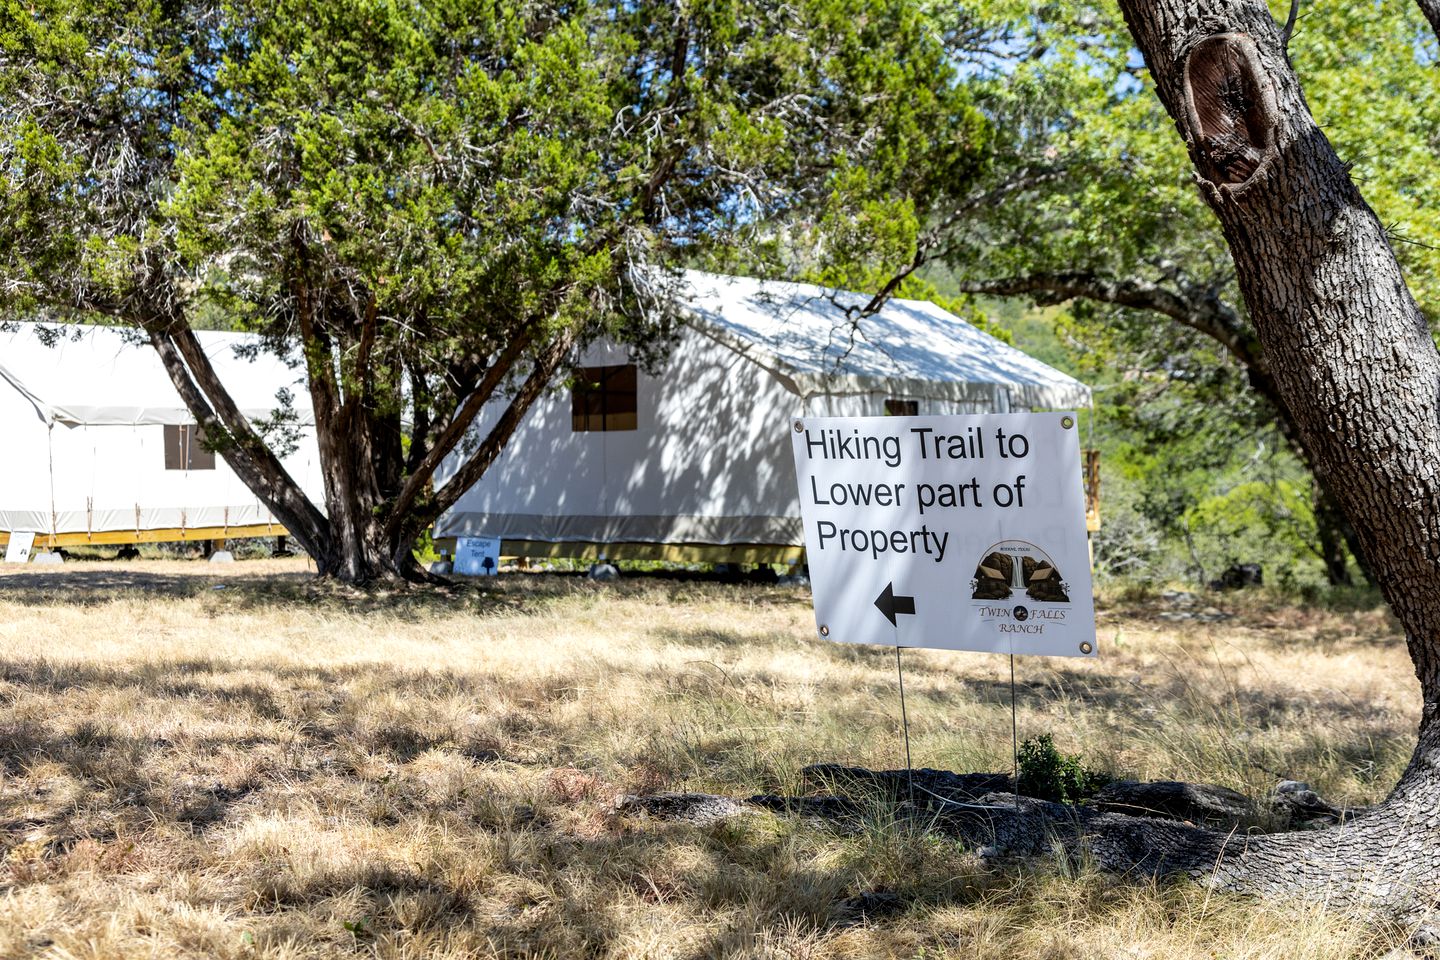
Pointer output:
x,y
604,398
184,449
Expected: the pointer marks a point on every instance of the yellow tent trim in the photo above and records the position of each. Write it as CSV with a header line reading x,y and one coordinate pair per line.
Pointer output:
x,y
163,535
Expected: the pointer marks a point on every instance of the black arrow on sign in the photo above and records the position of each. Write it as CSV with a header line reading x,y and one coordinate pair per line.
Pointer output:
x,y
889,604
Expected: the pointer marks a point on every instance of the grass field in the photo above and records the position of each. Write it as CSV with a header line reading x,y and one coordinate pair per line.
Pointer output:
x,y
224,762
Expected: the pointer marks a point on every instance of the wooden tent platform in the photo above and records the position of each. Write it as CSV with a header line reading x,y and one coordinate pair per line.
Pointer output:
x,y
101,538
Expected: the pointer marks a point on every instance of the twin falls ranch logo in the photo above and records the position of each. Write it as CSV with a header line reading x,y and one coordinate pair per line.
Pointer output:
x,y
1018,588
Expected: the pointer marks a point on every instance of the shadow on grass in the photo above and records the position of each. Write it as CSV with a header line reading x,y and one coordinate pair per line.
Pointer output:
x,y
86,585
128,788
705,637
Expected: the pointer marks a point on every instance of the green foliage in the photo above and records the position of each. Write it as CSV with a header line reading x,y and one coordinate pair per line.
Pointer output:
x,y
468,165
424,550
1361,64
1048,774
392,192
1096,182
1074,102
1253,521
1189,486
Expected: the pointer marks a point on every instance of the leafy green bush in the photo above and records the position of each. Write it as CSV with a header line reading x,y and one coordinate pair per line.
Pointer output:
x,y
1048,774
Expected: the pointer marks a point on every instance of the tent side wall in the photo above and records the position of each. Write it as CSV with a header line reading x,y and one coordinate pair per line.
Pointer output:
x,y
109,484
709,462
98,473
115,479
24,463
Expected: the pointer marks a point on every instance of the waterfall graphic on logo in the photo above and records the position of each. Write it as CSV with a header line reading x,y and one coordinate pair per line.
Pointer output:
x,y
1014,567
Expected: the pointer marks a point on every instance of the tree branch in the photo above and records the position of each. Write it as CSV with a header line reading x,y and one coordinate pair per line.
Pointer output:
x,y
1289,29
422,400
928,246
650,196
320,370
365,375
1431,9
470,472
195,379
1210,316
455,430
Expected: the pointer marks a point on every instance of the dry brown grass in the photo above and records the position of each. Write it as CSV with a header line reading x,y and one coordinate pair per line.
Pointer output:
x,y
261,771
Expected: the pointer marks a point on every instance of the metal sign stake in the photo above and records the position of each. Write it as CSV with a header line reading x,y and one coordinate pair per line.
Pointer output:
x,y
905,722
1014,737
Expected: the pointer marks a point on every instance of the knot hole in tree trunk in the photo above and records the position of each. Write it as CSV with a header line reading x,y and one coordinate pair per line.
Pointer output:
x,y
1231,107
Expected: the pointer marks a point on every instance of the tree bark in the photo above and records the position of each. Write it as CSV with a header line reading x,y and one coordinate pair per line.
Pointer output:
x,y
1354,362
196,381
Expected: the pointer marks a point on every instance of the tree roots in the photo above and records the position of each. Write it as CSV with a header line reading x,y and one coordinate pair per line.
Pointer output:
x,y
1354,864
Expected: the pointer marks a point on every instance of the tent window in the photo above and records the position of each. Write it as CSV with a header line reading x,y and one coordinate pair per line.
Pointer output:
x,y
902,408
183,449
604,398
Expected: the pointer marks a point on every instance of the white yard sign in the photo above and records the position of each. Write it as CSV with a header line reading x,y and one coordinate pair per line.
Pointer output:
x,y
958,532
477,556
19,547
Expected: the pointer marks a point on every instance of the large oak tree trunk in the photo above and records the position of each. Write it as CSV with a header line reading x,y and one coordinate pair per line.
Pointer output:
x,y
1354,361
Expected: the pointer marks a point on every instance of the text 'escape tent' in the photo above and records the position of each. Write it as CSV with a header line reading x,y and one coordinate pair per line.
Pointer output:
x,y
99,448
694,462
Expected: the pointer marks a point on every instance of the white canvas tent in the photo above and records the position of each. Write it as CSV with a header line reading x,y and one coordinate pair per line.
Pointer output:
x,y
97,447
704,459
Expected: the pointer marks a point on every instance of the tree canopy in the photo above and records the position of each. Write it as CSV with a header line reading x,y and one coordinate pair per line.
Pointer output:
x,y
422,205
431,205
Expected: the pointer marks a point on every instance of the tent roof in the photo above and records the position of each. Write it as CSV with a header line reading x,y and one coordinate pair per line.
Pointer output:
x,y
910,348
98,375
799,332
